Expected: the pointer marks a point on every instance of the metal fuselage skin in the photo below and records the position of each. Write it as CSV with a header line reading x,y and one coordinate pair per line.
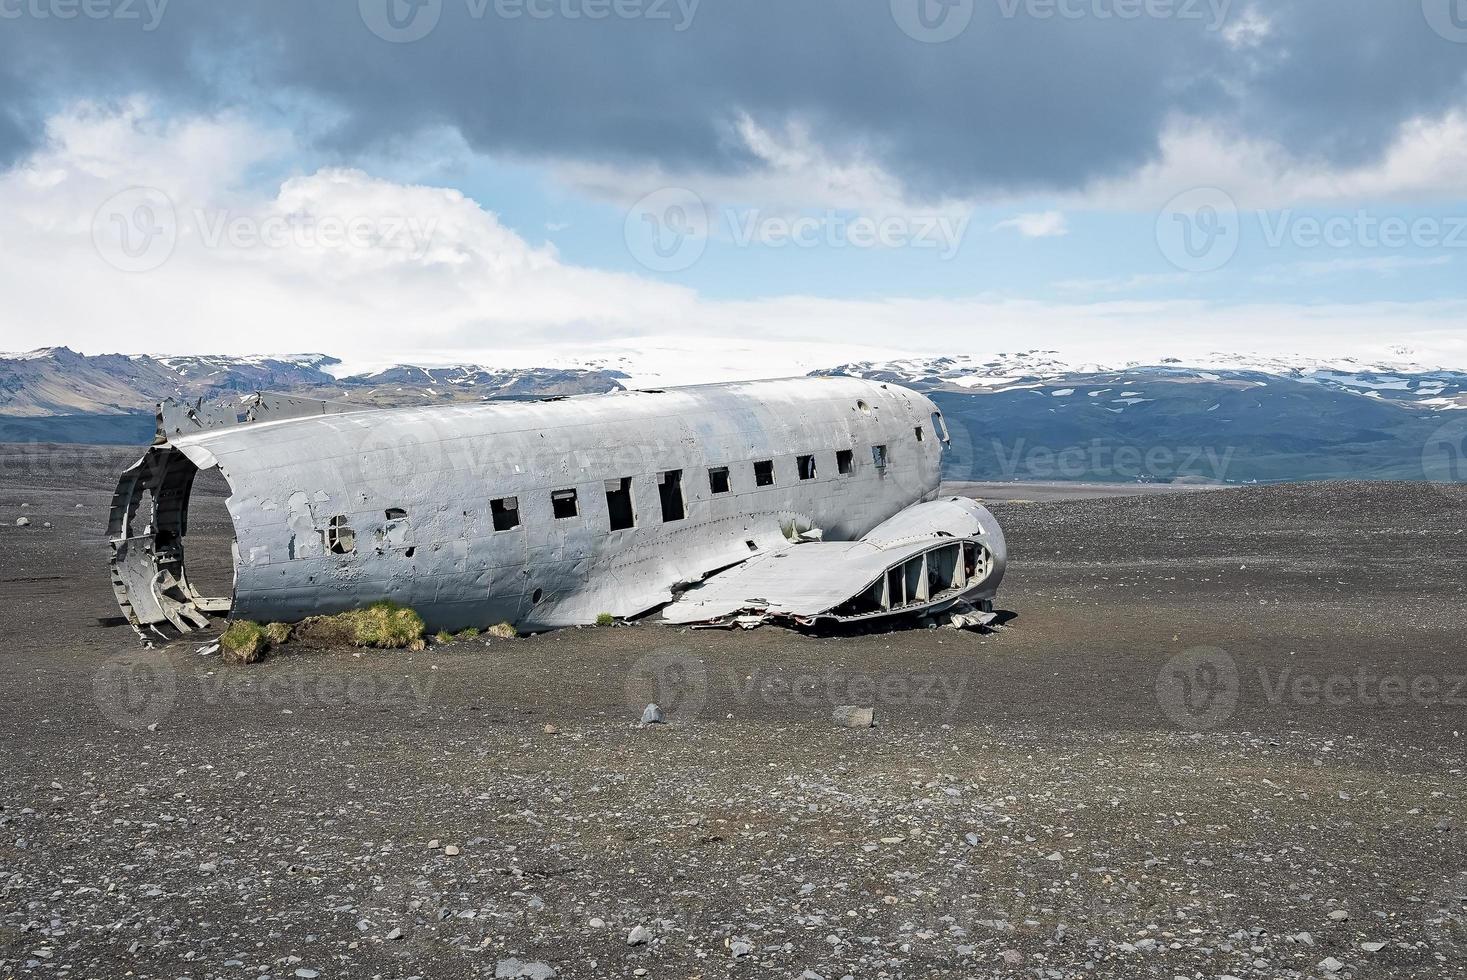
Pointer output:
x,y
334,511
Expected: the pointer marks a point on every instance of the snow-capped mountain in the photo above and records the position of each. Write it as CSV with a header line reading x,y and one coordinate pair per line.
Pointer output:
x,y
1403,382
57,381
1027,415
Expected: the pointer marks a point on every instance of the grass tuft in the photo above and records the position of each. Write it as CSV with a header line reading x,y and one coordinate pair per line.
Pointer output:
x,y
277,634
383,625
503,631
387,625
243,642
605,619
469,633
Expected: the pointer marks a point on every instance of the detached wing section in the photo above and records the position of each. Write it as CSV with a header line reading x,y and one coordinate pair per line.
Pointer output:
x,y
927,558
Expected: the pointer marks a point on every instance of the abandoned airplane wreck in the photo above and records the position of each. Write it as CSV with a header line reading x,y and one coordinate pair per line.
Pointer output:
x,y
811,500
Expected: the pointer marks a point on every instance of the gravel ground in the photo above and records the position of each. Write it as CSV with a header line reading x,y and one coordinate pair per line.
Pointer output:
x,y
1221,735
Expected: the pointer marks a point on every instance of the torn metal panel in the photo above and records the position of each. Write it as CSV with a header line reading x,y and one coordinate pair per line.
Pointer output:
x,y
925,559
181,418
620,501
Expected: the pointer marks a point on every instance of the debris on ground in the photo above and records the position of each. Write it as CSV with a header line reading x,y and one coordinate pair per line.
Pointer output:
x,y
853,716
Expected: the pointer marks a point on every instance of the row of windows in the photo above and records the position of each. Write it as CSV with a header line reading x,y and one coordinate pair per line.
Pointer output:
x,y
505,511
339,538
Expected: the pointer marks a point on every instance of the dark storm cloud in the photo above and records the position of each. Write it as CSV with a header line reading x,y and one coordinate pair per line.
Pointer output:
x,y
1033,93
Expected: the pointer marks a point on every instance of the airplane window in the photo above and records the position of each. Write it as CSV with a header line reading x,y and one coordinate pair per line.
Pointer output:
x,y
670,489
619,504
878,456
921,436
340,538
506,513
564,504
764,473
845,461
718,479
939,426
806,466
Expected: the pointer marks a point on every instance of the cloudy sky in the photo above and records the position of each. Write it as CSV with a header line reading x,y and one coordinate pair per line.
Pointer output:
x,y
746,186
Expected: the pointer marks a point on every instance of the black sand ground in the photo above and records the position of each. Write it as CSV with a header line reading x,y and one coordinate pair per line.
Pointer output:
x,y
1222,736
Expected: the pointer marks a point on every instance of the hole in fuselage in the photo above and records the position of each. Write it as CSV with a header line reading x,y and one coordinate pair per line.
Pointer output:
x,y
208,540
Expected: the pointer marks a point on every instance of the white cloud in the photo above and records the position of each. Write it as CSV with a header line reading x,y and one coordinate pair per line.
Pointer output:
x,y
1044,224
336,260
1249,30
1426,162
795,173
427,274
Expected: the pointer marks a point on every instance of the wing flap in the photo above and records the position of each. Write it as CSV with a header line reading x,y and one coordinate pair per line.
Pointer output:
x,y
925,559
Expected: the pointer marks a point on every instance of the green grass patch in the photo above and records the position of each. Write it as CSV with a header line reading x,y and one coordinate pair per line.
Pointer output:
x,y
243,642
383,625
